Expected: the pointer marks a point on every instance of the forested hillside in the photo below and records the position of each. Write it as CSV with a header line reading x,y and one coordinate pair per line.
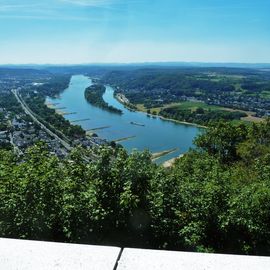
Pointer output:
x,y
173,83
235,88
215,198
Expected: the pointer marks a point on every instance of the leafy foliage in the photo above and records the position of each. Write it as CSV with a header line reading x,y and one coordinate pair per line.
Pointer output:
x,y
215,198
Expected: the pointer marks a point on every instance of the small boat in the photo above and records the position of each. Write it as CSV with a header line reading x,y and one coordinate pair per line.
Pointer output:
x,y
137,124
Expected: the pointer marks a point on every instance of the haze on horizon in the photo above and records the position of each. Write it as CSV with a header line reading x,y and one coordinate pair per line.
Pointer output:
x,y
126,31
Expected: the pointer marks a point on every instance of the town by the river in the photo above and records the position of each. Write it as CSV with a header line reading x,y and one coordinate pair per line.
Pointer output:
x,y
132,129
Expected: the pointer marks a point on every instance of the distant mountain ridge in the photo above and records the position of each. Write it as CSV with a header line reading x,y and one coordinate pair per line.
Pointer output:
x,y
141,64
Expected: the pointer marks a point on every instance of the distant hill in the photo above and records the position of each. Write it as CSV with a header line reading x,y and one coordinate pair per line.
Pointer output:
x,y
22,72
90,66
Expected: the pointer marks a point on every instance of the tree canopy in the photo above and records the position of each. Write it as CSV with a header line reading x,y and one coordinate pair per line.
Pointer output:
x,y
215,198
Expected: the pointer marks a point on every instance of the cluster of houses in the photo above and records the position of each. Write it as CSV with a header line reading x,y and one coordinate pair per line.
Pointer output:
x,y
4,138
89,142
22,133
248,103
25,133
4,134
7,84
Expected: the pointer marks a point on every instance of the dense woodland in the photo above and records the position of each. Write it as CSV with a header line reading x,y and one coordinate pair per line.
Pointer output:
x,y
94,95
215,198
8,101
54,85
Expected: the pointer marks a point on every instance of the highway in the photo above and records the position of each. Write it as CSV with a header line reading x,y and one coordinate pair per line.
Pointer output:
x,y
65,144
28,111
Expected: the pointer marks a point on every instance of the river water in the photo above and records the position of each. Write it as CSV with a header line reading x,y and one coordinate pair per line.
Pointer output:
x,y
156,135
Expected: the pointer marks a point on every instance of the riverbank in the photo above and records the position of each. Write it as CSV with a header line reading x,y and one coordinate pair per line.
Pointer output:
x,y
123,100
170,163
124,139
156,156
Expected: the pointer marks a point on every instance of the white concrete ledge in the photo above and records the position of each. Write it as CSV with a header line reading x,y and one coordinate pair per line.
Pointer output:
x,y
35,255
138,259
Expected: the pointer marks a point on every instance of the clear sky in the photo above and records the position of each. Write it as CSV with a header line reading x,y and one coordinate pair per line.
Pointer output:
x,y
90,31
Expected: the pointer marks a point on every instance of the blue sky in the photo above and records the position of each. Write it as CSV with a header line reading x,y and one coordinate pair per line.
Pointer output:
x,y
91,31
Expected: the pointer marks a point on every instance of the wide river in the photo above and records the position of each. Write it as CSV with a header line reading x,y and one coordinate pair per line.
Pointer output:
x,y
156,135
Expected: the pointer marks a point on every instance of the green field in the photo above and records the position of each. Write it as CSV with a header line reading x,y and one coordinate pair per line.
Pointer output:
x,y
186,105
265,94
191,105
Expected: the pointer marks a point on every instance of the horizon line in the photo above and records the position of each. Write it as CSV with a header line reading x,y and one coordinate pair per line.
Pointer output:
x,y
134,63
